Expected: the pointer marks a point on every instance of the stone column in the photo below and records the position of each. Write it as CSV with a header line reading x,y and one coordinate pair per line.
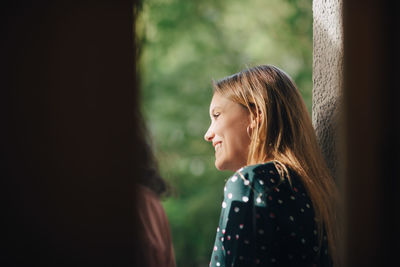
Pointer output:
x,y
327,76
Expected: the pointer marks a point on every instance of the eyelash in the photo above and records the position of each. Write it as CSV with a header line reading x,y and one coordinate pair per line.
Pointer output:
x,y
215,115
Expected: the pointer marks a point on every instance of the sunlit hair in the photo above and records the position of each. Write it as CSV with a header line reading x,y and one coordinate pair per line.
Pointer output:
x,y
281,130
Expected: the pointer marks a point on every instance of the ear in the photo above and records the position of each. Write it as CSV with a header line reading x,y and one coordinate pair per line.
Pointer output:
x,y
254,120
253,123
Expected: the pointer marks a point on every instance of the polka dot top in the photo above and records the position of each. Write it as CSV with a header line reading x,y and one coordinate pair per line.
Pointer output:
x,y
267,221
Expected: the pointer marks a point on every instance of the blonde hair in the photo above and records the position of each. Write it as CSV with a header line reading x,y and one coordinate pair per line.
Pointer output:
x,y
282,131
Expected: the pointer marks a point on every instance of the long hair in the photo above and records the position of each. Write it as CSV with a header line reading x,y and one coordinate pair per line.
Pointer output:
x,y
283,131
148,171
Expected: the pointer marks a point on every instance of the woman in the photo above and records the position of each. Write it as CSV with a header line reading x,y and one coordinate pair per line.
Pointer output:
x,y
279,206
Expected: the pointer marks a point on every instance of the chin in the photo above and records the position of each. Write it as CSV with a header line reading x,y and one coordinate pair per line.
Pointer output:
x,y
221,166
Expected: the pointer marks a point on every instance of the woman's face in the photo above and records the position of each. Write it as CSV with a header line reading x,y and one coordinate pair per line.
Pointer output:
x,y
228,133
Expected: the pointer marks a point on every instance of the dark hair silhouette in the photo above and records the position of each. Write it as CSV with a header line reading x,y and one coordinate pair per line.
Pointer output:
x,y
148,172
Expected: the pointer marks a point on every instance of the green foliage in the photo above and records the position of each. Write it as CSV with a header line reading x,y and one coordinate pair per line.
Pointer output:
x,y
185,45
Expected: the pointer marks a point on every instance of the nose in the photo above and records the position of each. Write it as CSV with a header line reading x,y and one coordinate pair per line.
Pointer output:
x,y
209,135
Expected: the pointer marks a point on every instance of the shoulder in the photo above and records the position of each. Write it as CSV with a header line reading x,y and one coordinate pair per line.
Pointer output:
x,y
150,208
155,225
264,174
253,180
152,214
148,194
266,181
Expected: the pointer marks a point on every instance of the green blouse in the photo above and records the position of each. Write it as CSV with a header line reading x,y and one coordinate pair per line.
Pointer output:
x,y
267,221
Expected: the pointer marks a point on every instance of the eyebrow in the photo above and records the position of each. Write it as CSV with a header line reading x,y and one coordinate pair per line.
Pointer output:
x,y
213,109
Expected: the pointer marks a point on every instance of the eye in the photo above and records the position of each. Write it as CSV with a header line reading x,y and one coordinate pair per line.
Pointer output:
x,y
215,115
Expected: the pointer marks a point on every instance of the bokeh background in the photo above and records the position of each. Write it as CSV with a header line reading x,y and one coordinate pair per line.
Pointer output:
x,y
184,46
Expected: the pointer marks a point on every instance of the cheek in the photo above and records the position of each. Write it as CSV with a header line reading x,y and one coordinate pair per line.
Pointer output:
x,y
240,141
243,141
